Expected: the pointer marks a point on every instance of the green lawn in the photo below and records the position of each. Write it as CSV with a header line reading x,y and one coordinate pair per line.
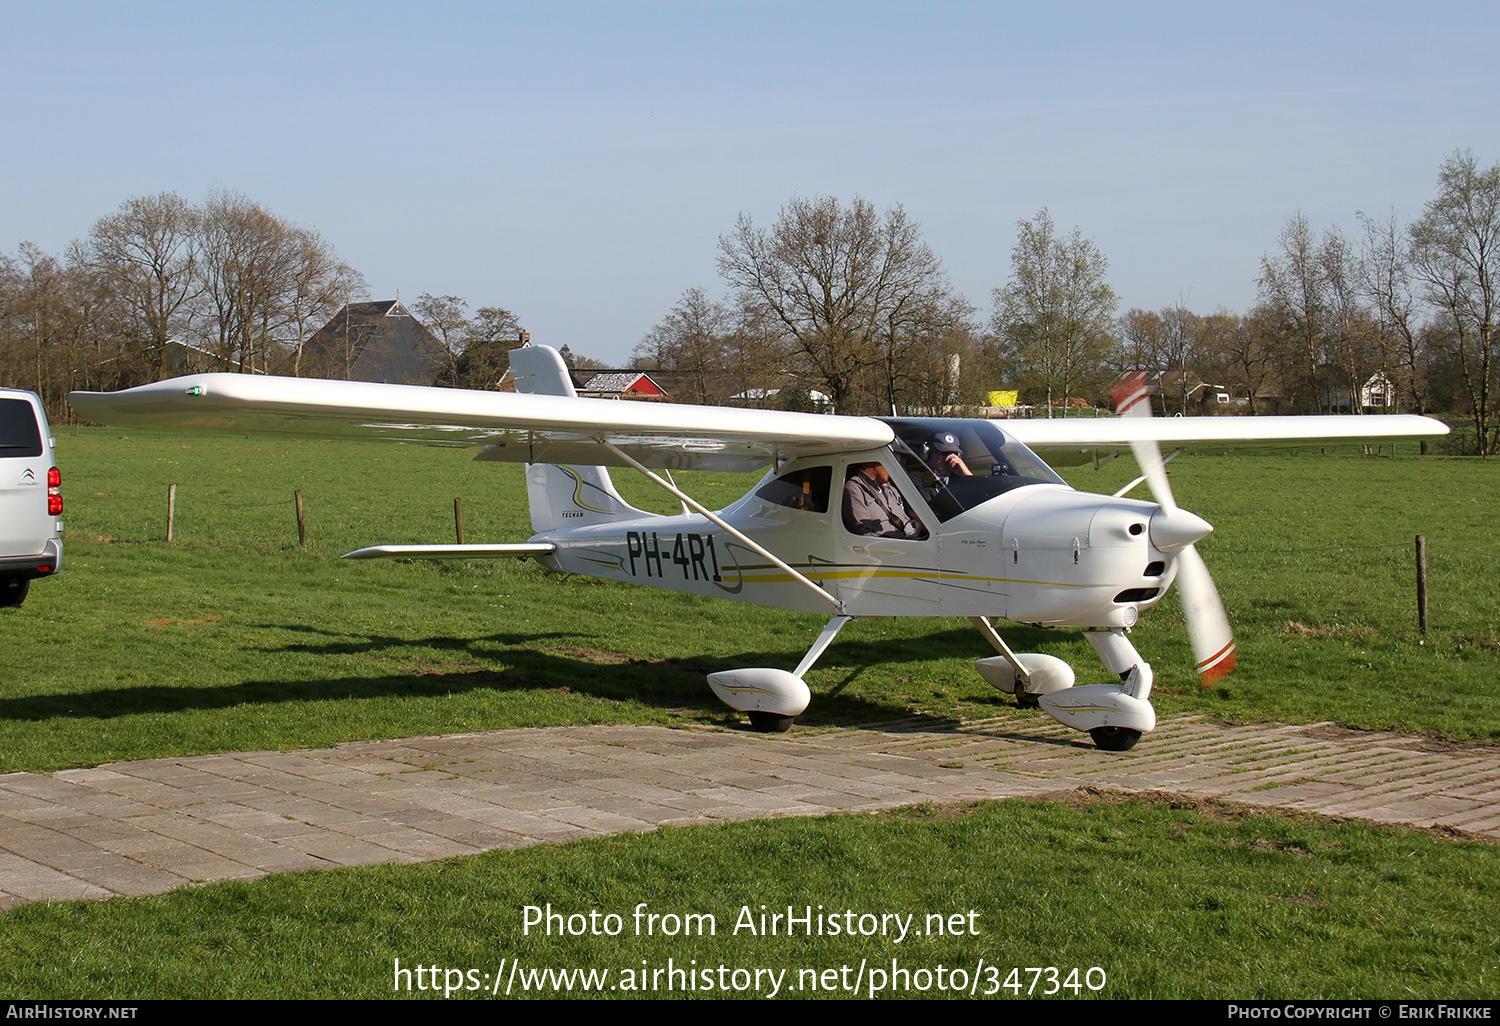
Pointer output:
x,y
233,637
1165,901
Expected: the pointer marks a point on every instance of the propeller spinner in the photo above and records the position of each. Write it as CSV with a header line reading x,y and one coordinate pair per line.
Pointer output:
x,y
1175,530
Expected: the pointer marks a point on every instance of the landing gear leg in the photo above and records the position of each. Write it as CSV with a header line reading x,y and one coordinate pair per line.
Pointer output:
x,y
1119,656
1115,715
825,638
773,698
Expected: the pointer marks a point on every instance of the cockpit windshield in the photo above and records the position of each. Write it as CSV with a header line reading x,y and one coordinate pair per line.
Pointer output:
x,y
958,464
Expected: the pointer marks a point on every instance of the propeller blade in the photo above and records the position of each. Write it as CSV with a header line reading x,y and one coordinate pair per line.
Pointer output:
x,y
1133,399
1208,626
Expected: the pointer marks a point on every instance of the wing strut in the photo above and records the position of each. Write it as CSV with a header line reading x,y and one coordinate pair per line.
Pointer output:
x,y
1023,674
1123,491
830,631
683,497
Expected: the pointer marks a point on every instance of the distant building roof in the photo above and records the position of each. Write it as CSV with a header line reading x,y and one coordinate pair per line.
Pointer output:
x,y
379,341
606,384
618,384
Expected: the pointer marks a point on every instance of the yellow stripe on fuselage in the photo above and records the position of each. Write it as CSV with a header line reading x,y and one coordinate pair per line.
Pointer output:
x,y
868,573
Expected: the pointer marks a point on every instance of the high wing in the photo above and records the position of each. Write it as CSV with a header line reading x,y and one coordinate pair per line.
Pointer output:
x,y
1074,441
566,430
512,427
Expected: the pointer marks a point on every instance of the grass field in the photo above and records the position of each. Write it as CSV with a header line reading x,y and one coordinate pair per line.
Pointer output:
x,y
1168,901
233,637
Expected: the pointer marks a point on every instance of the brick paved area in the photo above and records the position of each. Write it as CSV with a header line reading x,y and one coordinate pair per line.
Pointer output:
x,y
147,827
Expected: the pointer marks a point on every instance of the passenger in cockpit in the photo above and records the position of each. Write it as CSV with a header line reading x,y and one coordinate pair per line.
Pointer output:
x,y
944,456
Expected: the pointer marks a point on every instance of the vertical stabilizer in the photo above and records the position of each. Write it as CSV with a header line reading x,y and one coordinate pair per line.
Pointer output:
x,y
562,496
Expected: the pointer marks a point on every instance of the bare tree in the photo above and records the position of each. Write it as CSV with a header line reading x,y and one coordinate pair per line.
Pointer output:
x,y
693,340
267,284
32,319
1054,319
1292,284
1171,343
147,254
321,285
1385,277
1242,348
756,357
248,271
243,283
835,280
1456,256
488,337
1351,335
447,317
925,347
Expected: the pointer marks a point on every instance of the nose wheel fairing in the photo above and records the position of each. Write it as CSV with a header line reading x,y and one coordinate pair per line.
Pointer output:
x,y
1115,715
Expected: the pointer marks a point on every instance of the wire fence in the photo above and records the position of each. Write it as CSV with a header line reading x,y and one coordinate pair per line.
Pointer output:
x,y
1369,587
201,518
1289,588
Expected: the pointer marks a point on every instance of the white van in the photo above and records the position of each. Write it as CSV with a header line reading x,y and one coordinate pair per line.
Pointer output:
x,y
30,496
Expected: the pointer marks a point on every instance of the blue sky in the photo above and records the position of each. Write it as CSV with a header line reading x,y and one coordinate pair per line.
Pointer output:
x,y
577,162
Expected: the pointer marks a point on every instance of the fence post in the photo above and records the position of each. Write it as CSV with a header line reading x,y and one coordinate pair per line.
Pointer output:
x,y
458,519
301,521
171,508
1422,584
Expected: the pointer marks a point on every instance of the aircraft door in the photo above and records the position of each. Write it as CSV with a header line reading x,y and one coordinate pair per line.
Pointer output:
x,y
888,541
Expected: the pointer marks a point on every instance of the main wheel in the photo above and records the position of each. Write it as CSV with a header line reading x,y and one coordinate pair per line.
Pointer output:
x,y
1026,700
771,723
13,590
1115,739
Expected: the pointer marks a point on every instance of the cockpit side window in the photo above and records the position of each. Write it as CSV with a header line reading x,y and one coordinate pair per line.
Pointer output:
x,y
928,484
805,489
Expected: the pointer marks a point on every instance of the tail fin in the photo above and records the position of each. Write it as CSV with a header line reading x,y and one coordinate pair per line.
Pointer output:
x,y
562,496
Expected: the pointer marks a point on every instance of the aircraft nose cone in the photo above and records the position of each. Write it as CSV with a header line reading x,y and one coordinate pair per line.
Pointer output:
x,y
1171,531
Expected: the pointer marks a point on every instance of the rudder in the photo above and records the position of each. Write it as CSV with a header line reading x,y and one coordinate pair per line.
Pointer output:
x,y
562,496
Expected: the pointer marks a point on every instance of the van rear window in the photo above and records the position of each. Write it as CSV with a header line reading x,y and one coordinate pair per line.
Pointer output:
x,y
19,435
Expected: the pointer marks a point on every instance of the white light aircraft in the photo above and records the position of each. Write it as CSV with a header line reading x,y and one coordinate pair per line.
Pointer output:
x,y
858,517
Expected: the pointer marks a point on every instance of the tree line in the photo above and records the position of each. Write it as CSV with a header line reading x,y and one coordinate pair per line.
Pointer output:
x,y
226,277
842,300
853,303
1408,306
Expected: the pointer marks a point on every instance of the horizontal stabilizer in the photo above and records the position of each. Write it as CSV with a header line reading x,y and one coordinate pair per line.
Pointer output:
x,y
520,551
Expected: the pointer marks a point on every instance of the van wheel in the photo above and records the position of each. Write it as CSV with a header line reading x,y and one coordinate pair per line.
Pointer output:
x,y
13,590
